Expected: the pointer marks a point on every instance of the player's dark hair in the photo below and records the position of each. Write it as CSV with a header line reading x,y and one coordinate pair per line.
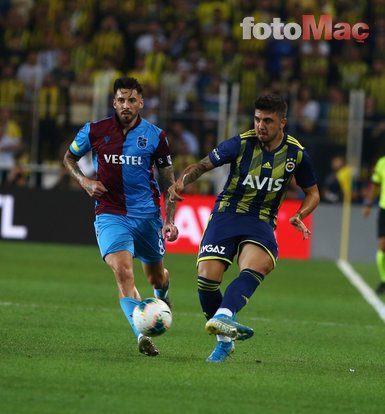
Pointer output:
x,y
126,82
272,103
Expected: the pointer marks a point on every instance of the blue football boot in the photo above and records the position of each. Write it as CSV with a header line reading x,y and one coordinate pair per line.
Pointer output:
x,y
221,351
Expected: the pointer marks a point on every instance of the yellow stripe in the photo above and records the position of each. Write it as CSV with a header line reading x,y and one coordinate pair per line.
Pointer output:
x,y
223,259
248,134
259,244
292,140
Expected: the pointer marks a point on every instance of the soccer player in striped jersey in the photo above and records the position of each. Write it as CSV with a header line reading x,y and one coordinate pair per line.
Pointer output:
x,y
262,161
128,224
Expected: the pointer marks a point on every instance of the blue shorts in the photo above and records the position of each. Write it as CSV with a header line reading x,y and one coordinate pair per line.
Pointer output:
x,y
142,237
226,232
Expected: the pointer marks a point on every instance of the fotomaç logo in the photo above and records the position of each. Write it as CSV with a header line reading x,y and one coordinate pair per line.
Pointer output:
x,y
325,30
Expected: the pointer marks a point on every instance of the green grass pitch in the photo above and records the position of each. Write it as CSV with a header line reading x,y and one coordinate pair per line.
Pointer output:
x,y
65,346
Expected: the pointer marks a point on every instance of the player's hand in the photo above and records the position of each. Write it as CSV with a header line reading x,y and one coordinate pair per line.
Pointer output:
x,y
366,211
174,191
95,189
299,225
170,232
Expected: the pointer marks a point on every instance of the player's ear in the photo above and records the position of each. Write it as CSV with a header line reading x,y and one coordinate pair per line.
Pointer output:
x,y
283,122
141,103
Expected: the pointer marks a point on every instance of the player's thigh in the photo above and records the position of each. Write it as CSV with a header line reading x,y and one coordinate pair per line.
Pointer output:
x,y
253,256
212,269
149,243
114,234
122,265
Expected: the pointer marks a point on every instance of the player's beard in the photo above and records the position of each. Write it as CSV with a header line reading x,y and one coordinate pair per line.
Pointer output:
x,y
127,118
267,138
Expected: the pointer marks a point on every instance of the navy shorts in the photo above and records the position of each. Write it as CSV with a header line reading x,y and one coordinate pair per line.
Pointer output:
x,y
226,232
381,223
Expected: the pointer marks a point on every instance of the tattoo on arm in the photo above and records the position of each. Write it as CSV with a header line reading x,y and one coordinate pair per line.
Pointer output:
x,y
71,163
166,178
194,171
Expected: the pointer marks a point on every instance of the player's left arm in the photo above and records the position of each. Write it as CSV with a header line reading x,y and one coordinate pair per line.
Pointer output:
x,y
306,179
166,179
309,203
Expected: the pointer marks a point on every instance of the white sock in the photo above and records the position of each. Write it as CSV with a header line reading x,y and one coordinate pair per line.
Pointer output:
x,y
222,338
224,311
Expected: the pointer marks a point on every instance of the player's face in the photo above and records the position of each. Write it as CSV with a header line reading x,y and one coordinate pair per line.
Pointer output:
x,y
268,127
127,104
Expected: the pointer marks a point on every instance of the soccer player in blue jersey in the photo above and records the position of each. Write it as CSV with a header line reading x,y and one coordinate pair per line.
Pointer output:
x,y
262,161
128,224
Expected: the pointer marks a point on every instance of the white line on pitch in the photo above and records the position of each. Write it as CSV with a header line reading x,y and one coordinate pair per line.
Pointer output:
x,y
367,293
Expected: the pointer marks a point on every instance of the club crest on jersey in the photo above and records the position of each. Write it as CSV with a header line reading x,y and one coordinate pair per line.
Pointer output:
x,y
142,142
106,139
290,165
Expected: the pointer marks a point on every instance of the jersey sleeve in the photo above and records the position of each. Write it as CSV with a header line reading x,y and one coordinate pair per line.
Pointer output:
x,y
226,151
305,175
81,144
162,154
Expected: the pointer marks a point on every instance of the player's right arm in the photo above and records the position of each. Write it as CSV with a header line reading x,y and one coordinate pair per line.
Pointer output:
x,y
94,188
374,192
190,174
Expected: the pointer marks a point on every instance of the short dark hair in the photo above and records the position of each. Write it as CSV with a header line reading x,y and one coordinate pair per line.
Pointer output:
x,y
126,82
272,102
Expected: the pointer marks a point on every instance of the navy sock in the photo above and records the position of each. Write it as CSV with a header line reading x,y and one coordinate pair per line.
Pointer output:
x,y
210,296
240,290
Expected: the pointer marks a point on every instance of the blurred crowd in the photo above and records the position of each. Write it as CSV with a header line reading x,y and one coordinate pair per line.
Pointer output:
x,y
60,57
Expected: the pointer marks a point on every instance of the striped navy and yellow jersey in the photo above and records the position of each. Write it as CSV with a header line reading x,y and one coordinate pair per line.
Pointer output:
x,y
258,179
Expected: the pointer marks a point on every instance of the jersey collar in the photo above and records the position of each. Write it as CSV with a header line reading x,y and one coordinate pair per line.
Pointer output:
x,y
138,121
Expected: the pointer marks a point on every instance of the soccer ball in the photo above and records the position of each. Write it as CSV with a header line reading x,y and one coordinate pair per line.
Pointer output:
x,y
152,317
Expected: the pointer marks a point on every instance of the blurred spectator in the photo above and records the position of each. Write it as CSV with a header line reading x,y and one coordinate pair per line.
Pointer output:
x,y
49,116
182,134
373,134
314,58
306,111
63,76
155,61
16,35
151,107
374,84
230,61
140,71
109,41
103,79
331,190
31,74
341,183
17,176
351,67
337,117
146,41
11,89
81,95
178,38
48,55
183,95
10,142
